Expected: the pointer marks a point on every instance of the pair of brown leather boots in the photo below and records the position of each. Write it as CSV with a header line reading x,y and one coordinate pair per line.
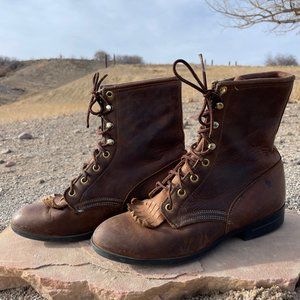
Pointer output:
x,y
230,183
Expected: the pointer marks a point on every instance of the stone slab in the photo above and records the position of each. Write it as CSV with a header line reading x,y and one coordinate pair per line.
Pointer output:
x,y
74,271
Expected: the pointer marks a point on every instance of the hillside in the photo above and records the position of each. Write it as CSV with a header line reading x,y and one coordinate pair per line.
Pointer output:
x,y
59,87
36,76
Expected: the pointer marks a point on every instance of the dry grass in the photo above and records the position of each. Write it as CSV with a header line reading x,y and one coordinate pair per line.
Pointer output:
x,y
74,96
37,76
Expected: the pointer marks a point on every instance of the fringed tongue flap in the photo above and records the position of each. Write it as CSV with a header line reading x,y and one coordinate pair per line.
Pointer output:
x,y
148,212
56,201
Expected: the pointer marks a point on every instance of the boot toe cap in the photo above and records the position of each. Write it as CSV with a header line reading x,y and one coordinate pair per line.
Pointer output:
x,y
31,218
121,236
114,236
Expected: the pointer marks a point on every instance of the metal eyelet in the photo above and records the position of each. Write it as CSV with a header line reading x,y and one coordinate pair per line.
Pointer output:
x,y
96,169
205,162
110,142
109,94
106,154
84,180
194,178
168,207
216,125
109,125
181,193
108,107
72,194
223,90
219,106
211,146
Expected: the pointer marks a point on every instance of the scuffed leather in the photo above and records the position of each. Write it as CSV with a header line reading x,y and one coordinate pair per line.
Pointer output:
x,y
123,236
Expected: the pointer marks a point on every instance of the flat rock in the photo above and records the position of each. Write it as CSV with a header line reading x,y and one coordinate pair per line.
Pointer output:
x,y
75,271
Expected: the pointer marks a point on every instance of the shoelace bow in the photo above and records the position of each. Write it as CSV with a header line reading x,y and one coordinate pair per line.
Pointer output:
x,y
199,148
97,97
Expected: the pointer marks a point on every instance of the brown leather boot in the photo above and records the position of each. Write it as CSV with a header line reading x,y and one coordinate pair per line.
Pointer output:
x,y
230,183
141,137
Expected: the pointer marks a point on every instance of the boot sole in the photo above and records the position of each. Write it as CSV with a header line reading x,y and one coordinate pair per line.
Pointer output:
x,y
45,238
254,230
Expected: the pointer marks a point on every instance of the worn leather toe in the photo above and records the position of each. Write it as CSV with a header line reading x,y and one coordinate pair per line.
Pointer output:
x,y
39,221
32,218
123,236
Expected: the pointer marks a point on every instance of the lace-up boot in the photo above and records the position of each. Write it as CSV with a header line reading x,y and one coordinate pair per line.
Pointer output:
x,y
141,137
230,183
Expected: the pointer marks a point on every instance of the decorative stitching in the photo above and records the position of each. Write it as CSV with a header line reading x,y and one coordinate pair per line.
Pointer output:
x,y
211,211
195,219
208,215
99,202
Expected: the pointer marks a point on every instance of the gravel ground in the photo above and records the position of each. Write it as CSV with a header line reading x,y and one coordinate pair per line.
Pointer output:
x,y
60,145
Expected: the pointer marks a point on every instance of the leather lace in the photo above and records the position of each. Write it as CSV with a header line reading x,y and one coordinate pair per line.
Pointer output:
x,y
200,148
97,97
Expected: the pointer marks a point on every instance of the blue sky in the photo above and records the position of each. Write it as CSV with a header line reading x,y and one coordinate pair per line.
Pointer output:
x,y
159,30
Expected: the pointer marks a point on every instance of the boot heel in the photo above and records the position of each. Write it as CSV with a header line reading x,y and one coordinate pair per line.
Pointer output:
x,y
263,226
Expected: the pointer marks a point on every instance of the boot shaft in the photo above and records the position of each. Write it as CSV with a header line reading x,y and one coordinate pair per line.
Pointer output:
x,y
144,135
253,108
248,120
248,123
148,118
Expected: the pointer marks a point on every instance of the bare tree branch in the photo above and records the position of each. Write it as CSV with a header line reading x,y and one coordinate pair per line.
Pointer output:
x,y
284,15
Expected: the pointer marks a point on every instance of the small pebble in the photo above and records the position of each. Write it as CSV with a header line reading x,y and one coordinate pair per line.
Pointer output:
x,y
76,131
41,181
6,151
190,100
10,164
186,124
2,161
25,136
